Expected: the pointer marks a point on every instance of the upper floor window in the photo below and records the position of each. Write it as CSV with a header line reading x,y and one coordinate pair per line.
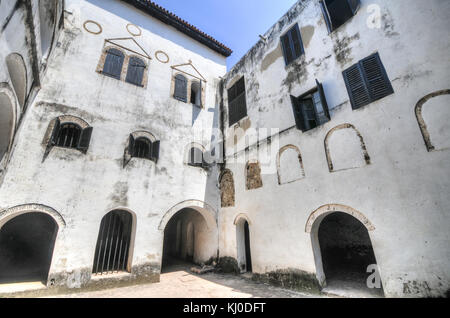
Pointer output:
x,y
337,12
180,92
142,145
196,158
367,81
292,44
237,104
113,63
196,93
311,109
135,73
68,132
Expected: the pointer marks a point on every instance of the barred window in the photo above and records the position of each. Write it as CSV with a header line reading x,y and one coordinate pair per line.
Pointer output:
x,y
143,148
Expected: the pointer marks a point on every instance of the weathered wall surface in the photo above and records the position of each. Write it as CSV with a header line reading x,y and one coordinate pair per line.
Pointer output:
x,y
83,188
400,187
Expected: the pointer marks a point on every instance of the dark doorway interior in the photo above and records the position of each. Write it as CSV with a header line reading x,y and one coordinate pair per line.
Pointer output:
x,y
346,250
26,248
113,244
248,254
180,241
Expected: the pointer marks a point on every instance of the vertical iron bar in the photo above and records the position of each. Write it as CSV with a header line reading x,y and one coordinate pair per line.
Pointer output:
x,y
111,240
99,245
106,241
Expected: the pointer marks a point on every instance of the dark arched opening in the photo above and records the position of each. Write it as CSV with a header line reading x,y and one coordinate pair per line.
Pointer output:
x,y
243,246
347,252
183,240
26,248
112,254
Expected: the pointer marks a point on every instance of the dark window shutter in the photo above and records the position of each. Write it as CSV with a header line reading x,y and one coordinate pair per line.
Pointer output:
x,y
376,78
286,44
135,73
326,16
131,144
298,113
356,86
237,104
155,151
53,138
128,151
85,139
292,44
181,88
323,99
55,133
113,63
297,44
354,5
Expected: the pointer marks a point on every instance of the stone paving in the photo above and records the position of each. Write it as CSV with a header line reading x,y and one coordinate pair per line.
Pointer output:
x,y
182,283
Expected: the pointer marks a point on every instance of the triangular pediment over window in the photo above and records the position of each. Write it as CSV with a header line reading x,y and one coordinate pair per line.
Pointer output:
x,y
189,69
129,44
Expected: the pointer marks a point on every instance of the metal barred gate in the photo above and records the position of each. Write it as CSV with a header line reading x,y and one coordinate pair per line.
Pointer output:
x,y
113,244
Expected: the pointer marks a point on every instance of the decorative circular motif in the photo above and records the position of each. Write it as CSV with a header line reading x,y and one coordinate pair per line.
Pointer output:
x,y
90,26
162,57
133,29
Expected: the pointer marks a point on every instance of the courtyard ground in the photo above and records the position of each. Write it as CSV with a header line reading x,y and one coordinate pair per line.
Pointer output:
x,y
180,282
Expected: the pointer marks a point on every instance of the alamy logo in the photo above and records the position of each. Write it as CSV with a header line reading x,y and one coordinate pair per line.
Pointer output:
x,y
374,279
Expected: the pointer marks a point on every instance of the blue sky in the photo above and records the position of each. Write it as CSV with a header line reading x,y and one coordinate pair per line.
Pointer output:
x,y
236,23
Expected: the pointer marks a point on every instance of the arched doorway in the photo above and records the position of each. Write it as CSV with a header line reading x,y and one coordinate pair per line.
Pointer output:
x,y
26,248
343,250
244,256
187,240
114,243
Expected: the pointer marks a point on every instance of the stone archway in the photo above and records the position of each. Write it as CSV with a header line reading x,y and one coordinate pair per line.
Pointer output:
x,y
26,255
190,235
342,247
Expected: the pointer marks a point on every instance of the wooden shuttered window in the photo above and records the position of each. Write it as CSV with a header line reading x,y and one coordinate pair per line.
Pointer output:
x,y
292,45
113,63
69,135
135,72
367,81
142,148
180,92
337,12
311,109
237,104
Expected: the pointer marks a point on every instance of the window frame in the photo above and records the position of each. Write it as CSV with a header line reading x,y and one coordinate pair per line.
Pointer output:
x,y
291,48
143,65
176,94
354,6
299,112
235,102
123,58
366,82
130,151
